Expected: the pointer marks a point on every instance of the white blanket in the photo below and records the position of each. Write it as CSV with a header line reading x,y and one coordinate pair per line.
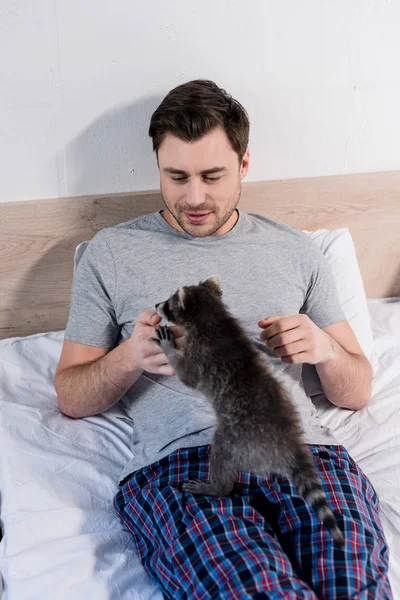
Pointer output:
x,y
58,476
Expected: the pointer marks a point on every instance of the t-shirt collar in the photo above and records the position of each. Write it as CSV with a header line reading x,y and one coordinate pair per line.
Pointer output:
x,y
165,226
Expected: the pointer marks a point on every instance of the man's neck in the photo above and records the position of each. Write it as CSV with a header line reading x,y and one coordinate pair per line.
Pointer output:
x,y
230,224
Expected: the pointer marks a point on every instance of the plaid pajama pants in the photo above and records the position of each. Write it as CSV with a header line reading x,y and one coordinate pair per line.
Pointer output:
x,y
262,541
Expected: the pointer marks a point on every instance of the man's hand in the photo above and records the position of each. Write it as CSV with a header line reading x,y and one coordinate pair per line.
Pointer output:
x,y
146,353
296,339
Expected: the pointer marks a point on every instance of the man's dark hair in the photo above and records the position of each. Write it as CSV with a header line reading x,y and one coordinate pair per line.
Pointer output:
x,y
195,108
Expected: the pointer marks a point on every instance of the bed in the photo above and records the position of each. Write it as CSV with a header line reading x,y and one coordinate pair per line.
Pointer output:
x,y
61,538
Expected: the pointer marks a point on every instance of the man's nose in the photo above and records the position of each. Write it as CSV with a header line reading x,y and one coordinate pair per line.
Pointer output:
x,y
196,194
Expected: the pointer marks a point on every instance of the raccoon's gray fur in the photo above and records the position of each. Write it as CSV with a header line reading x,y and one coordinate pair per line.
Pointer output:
x,y
258,428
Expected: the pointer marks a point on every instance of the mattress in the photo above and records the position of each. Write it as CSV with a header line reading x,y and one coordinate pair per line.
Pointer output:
x,y
58,476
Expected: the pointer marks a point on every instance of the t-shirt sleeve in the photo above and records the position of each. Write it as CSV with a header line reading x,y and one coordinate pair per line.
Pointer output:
x,y
321,303
92,320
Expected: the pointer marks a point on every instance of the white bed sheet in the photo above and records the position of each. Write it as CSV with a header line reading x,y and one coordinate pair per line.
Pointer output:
x,y
372,435
58,476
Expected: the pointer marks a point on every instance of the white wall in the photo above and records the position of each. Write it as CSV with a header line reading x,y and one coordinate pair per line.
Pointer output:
x,y
79,80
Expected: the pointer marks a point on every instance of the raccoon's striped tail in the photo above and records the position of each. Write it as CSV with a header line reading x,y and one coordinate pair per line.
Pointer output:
x,y
308,484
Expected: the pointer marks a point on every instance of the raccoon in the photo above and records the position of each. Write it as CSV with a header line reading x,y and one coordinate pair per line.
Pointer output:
x,y
258,428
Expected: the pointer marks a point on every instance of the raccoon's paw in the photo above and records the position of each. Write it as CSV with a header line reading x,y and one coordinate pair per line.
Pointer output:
x,y
195,486
165,337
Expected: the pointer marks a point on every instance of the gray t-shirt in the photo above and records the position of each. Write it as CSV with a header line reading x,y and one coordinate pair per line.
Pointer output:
x,y
266,268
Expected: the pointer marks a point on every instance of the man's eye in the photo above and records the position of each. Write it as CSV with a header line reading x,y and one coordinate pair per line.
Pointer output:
x,y
205,177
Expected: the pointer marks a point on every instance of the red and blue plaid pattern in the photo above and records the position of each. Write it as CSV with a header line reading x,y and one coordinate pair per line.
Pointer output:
x,y
262,541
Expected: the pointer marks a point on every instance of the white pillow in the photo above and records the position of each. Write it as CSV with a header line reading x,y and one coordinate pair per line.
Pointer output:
x,y
79,250
338,248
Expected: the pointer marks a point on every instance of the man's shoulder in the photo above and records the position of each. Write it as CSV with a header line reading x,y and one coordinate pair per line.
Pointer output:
x,y
109,240
281,230
145,223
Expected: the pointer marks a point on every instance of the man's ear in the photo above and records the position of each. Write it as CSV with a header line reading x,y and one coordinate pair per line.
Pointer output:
x,y
244,164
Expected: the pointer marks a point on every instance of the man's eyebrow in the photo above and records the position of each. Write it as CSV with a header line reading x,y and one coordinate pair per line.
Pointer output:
x,y
173,171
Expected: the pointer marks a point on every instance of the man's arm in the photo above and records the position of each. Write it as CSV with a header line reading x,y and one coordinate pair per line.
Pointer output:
x,y
90,380
346,377
88,387
344,371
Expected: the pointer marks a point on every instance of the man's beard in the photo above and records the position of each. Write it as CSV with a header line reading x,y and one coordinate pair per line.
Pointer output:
x,y
218,222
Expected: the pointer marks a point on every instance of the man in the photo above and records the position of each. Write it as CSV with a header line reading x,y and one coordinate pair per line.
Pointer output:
x,y
263,541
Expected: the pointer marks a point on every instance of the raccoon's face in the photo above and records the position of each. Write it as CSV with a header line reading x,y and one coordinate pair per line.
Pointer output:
x,y
187,302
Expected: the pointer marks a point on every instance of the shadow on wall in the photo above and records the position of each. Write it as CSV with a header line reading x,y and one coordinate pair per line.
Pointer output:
x,y
114,154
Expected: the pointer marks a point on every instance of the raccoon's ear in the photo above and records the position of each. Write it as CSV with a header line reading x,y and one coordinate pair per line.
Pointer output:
x,y
181,297
214,283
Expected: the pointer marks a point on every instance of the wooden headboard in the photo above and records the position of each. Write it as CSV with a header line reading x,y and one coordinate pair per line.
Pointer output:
x,y
38,237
